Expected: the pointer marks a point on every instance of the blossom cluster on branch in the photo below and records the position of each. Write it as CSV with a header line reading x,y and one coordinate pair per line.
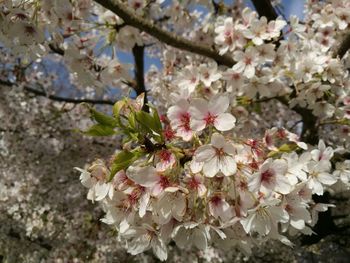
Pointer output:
x,y
188,177
204,163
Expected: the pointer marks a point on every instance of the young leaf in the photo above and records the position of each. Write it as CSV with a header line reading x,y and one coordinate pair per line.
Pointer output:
x,y
123,160
101,118
148,121
117,107
99,130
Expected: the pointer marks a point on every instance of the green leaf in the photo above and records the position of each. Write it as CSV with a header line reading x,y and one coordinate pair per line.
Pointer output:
x,y
132,120
257,108
150,122
117,107
157,121
123,160
99,130
101,118
287,148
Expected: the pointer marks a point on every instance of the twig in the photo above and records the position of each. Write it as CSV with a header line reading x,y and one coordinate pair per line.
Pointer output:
x,y
57,98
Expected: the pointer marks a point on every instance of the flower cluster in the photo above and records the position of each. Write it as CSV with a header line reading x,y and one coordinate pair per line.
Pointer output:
x,y
207,162
192,180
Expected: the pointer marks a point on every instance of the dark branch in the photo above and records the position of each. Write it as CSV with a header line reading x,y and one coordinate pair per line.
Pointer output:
x,y
138,52
58,98
344,46
265,8
166,37
309,132
56,49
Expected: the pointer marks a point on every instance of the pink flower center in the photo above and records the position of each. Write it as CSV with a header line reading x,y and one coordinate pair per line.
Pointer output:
x,y
137,5
210,118
164,182
235,76
185,120
267,176
118,68
227,33
168,133
216,200
219,152
133,197
289,209
185,117
248,60
193,183
281,133
268,139
165,155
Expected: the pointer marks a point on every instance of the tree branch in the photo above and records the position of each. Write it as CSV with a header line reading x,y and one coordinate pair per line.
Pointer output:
x,y
58,98
309,132
56,49
166,37
138,52
344,46
265,8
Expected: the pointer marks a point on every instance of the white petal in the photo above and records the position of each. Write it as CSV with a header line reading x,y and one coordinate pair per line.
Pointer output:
x,y
238,67
229,148
182,238
144,176
249,71
196,167
211,168
144,203
202,190
218,105
200,239
297,223
218,141
255,182
326,178
138,245
204,153
280,166
159,248
197,125
225,122
101,190
228,165
85,177
317,187
179,207
282,184
198,109
247,222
